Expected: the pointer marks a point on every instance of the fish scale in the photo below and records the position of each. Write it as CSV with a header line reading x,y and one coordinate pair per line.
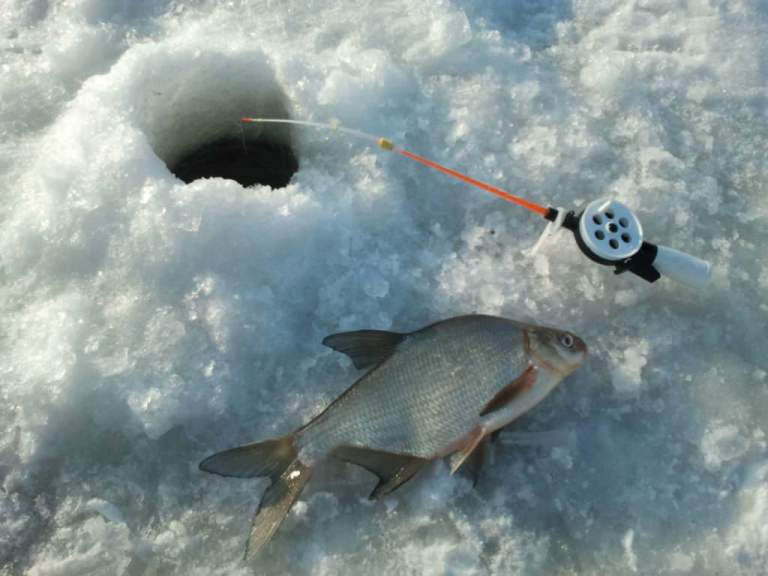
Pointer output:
x,y
427,396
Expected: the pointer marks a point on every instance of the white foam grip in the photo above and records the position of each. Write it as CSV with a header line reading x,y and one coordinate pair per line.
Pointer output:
x,y
682,267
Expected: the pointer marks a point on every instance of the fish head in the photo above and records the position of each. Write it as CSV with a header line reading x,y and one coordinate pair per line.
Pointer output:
x,y
554,349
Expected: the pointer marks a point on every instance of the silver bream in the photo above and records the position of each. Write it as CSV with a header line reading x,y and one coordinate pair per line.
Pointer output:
x,y
438,392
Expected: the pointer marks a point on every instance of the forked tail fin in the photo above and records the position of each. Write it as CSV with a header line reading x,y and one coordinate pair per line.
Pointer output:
x,y
275,504
277,459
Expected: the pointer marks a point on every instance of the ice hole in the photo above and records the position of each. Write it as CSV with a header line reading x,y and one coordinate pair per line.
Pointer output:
x,y
193,123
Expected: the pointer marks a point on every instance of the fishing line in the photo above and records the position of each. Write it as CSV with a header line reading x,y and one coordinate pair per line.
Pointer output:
x,y
242,137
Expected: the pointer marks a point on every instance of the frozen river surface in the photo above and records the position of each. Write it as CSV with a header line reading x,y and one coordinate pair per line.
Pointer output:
x,y
146,322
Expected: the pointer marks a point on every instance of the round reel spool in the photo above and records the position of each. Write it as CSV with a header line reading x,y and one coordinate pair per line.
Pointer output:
x,y
610,230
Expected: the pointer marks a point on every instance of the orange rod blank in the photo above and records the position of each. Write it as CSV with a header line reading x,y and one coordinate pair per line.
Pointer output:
x,y
532,206
386,144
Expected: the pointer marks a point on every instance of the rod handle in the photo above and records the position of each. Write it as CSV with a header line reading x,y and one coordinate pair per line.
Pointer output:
x,y
682,267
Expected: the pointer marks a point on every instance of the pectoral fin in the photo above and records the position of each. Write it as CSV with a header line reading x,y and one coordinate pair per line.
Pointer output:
x,y
518,386
365,347
471,449
393,470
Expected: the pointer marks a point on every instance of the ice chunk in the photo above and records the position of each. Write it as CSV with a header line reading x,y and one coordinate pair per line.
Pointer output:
x,y
627,367
108,510
722,443
629,554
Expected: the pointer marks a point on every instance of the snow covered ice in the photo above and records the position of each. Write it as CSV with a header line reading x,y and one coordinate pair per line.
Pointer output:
x,y
147,323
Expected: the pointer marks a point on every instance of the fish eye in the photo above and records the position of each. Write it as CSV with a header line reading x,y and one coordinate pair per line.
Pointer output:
x,y
565,339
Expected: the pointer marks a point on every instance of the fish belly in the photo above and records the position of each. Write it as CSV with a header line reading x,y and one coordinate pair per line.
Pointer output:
x,y
424,398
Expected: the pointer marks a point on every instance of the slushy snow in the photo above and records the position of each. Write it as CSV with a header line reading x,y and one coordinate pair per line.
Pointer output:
x,y
147,323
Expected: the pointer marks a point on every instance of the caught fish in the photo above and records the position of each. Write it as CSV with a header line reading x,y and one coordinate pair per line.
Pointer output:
x,y
438,392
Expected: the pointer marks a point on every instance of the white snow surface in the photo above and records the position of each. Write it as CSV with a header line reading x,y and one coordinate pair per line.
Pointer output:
x,y
147,323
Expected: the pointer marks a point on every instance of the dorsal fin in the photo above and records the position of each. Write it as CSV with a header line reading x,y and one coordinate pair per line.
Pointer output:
x,y
392,469
365,347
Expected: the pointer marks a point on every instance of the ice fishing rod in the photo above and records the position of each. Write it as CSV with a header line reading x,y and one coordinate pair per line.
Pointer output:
x,y
606,231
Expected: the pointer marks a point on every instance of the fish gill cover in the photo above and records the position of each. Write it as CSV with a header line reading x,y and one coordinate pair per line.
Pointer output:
x,y
147,322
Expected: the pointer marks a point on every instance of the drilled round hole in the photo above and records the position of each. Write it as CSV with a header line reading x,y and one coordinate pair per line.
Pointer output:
x,y
623,222
609,214
612,227
597,220
249,162
625,238
613,243
599,235
192,119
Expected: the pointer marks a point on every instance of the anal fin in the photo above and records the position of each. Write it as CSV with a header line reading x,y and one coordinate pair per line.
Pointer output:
x,y
393,470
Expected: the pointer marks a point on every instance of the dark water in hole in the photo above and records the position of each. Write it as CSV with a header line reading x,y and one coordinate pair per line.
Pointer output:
x,y
256,162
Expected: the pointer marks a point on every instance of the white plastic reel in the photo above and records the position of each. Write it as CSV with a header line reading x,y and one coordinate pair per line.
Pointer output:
x,y
610,230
